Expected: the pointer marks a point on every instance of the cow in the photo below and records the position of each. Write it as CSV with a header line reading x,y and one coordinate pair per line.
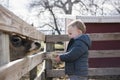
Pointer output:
x,y
21,46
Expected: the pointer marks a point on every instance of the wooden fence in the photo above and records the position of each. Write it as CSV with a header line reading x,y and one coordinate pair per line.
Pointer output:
x,y
9,23
93,54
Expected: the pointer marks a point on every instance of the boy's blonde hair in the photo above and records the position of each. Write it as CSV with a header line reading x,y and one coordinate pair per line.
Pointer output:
x,y
78,24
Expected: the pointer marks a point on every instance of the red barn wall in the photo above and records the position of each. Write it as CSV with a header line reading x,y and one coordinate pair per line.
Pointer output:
x,y
104,45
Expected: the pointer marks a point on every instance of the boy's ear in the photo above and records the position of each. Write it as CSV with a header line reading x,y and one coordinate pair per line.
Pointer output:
x,y
79,31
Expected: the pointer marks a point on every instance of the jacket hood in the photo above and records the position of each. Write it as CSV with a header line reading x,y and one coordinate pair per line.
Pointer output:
x,y
86,39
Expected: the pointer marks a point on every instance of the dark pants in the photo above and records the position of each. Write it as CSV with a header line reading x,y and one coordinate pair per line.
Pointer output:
x,y
74,77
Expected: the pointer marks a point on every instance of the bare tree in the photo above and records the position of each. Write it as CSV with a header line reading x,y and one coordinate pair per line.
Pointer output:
x,y
116,5
92,7
46,5
65,5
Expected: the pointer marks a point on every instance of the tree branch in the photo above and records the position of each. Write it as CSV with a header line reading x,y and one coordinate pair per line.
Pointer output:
x,y
58,5
76,1
35,4
46,25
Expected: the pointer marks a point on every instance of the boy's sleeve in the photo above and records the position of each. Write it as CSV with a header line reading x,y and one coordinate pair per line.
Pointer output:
x,y
78,49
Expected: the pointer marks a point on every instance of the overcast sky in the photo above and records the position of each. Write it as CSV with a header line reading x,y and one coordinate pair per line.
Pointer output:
x,y
19,7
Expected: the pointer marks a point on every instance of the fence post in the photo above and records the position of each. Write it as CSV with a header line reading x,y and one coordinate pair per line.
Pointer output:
x,y
48,65
4,49
33,73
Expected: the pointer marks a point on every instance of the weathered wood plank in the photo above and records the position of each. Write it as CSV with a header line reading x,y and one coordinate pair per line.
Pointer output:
x,y
4,49
103,71
93,36
55,73
92,72
33,73
56,38
9,22
96,53
99,19
104,36
41,75
16,69
48,64
104,53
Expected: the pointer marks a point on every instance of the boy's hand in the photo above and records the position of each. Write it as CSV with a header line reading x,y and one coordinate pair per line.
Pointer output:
x,y
57,59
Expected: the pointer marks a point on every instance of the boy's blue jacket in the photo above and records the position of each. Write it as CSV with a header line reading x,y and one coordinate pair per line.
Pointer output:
x,y
76,56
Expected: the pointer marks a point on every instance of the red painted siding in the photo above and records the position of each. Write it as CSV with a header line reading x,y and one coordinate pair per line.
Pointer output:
x,y
104,62
104,45
102,27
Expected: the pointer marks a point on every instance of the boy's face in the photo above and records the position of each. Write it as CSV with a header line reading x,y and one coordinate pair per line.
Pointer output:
x,y
73,32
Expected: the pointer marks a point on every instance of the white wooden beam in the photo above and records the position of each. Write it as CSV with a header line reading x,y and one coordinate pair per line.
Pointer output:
x,y
4,49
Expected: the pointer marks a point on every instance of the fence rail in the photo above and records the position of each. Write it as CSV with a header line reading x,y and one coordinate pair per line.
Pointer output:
x,y
96,54
93,36
92,72
20,67
10,23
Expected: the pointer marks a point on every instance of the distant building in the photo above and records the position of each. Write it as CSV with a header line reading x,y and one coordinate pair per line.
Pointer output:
x,y
99,27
